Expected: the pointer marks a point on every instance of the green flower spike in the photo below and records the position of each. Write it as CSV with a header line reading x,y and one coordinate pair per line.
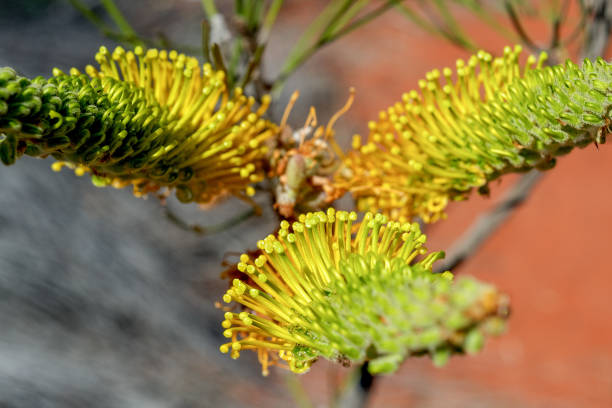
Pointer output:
x,y
457,134
152,119
354,292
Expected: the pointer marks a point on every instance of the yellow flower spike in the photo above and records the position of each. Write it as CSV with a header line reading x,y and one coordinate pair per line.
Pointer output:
x,y
496,117
318,290
153,119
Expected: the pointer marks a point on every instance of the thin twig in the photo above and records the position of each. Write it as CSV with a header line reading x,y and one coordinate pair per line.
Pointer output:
x,y
307,43
417,19
332,24
132,39
488,223
217,57
365,19
346,16
325,40
90,15
206,40
233,65
209,7
453,27
599,30
209,229
358,392
480,11
579,29
254,63
555,37
518,27
299,394
118,18
448,33
269,20
257,42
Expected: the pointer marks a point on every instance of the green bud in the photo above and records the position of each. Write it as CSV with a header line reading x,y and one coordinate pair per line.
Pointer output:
x,y
8,149
385,365
441,356
474,341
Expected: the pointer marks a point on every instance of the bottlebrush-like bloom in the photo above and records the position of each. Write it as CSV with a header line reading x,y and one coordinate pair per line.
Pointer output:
x,y
456,134
317,289
152,119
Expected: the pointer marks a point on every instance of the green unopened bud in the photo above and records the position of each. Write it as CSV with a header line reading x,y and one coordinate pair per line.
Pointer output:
x,y
474,341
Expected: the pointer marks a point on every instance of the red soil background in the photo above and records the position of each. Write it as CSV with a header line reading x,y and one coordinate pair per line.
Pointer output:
x,y
550,256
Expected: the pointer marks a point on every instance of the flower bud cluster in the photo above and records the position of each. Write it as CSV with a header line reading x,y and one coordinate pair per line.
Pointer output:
x,y
152,119
465,129
327,286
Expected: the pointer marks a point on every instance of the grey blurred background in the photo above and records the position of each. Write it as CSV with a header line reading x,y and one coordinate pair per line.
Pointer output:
x,y
103,301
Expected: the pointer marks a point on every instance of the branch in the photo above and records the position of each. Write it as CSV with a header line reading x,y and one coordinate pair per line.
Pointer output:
x,y
209,8
488,223
301,53
598,31
358,391
518,27
132,38
579,29
209,229
118,18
